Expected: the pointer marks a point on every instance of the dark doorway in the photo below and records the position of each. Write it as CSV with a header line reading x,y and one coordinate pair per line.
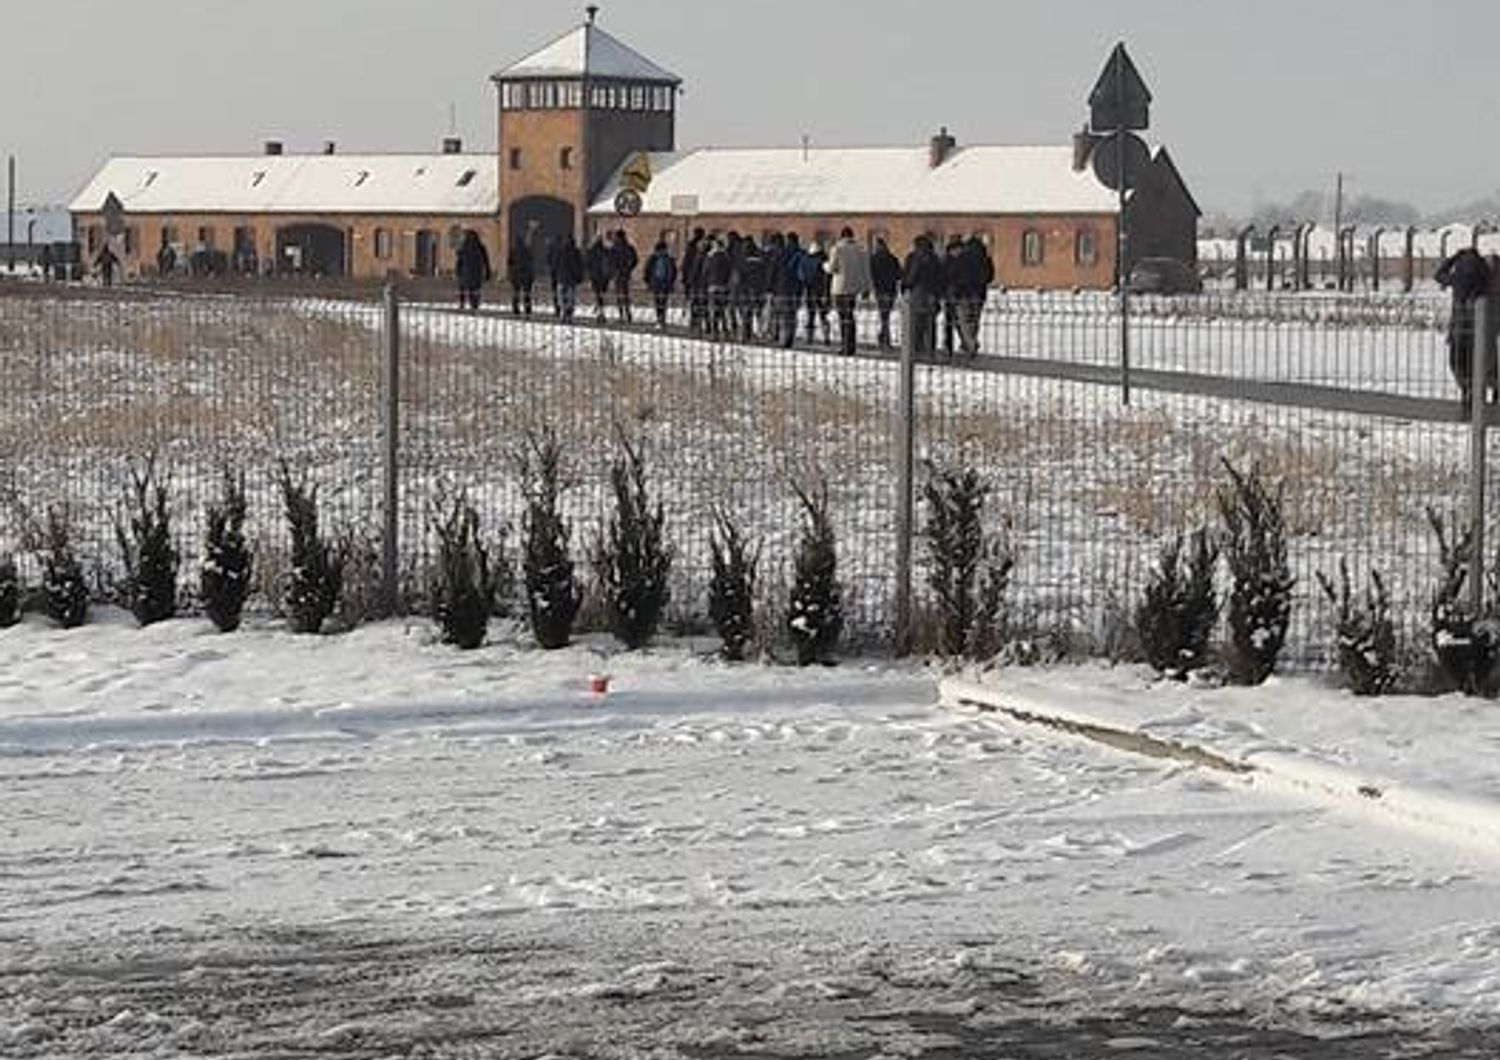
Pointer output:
x,y
311,250
426,262
540,221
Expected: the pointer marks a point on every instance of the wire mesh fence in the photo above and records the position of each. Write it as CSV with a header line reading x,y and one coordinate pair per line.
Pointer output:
x,y
1088,487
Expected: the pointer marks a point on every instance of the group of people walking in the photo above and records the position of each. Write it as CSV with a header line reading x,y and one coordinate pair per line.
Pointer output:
x,y
737,289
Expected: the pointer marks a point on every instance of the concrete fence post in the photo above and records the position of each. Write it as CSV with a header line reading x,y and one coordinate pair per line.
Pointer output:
x,y
390,425
906,433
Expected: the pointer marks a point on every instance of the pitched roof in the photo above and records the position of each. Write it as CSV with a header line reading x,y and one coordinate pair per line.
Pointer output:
x,y
436,184
588,51
871,180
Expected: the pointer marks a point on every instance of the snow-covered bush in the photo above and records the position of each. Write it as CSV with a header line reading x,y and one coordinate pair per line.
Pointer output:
x,y
317,576
552,594
224,578
731,590
631,557
1261,582
1465,645
1176,618
970,570
10,592
1366,634
815,617
463,595
145,539
65,594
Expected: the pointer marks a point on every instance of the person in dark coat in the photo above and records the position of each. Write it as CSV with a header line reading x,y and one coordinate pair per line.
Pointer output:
x,y
788,290
1467,275
45,261
716,272
752,277
472,268
105,264
600,270
885,277
166,260
954,290
692,281
521,269
568,275
623,261
815,292
661,278
923,281
554,248
980,269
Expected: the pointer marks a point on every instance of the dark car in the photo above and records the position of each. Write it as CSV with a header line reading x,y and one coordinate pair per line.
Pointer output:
x,y
1164,276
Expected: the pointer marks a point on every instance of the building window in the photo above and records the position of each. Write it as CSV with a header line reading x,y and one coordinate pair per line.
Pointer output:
x,y
1033,247
206,238
383,244
573,94
169,235
515,158
565,158
1085,247
637,97
132,241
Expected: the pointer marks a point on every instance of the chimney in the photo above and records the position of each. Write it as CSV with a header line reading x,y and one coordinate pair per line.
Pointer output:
x,y
452,145
1083,149
273,147
593,12
942,146
330,147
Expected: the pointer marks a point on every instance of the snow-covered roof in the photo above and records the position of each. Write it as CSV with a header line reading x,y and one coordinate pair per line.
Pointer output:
x,y
871,180
437,184
588,52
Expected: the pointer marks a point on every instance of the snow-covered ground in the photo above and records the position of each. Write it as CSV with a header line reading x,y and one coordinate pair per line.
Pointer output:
x,y
372,845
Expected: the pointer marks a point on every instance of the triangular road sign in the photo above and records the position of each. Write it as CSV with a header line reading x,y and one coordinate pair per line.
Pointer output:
x,y
1120,83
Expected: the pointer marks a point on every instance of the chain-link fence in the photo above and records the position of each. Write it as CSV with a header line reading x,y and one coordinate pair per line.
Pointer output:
x,y
1346,402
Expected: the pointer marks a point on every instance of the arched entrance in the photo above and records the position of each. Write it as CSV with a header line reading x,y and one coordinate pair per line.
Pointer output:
x,y
539,220
310,250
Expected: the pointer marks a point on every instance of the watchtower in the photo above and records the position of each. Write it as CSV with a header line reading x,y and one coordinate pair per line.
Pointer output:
x,y
570,114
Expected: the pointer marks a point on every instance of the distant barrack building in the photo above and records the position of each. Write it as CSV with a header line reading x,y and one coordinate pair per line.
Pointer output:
x,y
587,143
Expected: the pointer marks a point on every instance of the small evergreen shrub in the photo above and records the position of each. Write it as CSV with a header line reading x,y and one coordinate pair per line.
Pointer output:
x,y
362,589
815,616
731,590
65,594
1261,582
10,592
464,593
969,571
228,562
317,575
631,558
1175,621
145,540
1465,645
1367,646
552,593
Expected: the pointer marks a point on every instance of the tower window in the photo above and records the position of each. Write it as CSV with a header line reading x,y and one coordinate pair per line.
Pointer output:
x,y
515,158
565,158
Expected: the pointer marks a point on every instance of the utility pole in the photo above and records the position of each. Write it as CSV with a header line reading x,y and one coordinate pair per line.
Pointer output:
x,y
10,216
1338,228
1122,269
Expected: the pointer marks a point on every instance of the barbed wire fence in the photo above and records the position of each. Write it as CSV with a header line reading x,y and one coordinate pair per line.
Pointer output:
x,y
1345,401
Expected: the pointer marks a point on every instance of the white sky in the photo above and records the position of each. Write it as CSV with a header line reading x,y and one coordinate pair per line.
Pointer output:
x,y
1256,100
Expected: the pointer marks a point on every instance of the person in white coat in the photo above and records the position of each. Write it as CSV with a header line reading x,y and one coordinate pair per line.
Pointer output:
x,y
849,267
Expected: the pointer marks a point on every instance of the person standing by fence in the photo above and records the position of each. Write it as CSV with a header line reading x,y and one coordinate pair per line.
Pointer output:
x,y
661,278
815,286
600,269
885,277
979,270
472,268
1467,275
520,267
849,270
922,279
623,261
788,290
568,276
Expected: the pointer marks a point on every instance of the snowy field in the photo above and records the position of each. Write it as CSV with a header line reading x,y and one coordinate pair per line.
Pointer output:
x,y
371,846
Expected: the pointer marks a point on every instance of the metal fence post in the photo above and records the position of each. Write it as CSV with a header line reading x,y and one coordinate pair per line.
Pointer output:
x,y
390,373
1486,319
906,415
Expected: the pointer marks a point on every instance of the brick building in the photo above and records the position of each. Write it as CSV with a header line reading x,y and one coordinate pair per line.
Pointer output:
x,y
585,118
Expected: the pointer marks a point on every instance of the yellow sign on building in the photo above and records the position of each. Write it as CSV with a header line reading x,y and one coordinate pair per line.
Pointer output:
x,y
636,176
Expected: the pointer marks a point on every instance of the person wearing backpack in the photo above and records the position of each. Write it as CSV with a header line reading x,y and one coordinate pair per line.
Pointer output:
x,y
661,278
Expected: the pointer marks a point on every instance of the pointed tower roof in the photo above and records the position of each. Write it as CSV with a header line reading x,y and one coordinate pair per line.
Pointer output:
x,y
588,51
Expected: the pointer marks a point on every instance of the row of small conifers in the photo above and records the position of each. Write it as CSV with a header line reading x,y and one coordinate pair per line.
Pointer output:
x,y
969,571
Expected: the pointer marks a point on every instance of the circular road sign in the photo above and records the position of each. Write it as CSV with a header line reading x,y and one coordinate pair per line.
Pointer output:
x,y
628,203
1107,160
